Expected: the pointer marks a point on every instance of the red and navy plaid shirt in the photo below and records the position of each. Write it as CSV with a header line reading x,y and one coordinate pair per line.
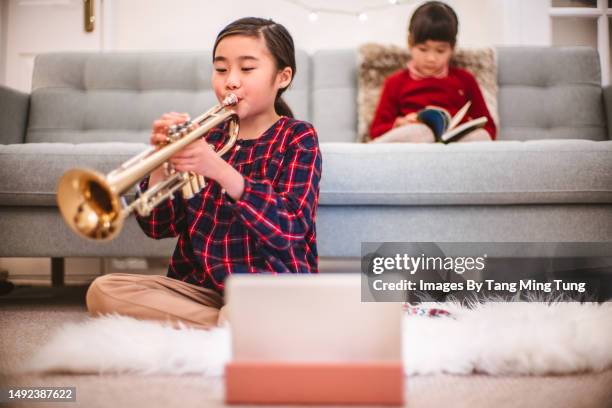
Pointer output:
x,y
271,228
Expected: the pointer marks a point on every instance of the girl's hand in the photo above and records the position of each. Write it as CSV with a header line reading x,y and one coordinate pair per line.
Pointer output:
x,y
159,133
197,157
200,158
405,120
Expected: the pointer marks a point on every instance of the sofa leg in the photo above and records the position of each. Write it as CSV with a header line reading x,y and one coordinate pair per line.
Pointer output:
x,y
57,271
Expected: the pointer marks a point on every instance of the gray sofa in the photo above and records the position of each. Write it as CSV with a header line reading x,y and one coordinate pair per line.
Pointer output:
x,y
547,178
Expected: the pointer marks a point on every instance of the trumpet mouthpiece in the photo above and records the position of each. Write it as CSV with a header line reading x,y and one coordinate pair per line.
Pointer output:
x,y
230,99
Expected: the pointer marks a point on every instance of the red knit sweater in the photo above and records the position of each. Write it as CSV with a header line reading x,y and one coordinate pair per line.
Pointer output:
x,y
402,95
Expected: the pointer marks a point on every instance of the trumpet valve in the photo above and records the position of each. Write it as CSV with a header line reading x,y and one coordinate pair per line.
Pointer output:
x,y
168,169
201,181
187,189
193,180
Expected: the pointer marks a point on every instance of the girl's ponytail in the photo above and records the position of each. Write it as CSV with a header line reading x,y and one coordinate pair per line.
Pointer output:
x,y
281,107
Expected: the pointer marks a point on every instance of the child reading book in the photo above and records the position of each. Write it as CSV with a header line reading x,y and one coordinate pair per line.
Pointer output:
x,y
430,80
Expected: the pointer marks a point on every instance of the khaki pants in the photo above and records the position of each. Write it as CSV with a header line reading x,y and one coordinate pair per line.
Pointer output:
x,y
154,297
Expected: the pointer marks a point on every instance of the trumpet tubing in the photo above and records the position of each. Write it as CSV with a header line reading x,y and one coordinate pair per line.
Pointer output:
x,y
93,204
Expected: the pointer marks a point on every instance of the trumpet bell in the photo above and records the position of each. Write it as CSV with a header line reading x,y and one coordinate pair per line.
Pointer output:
x,y
88,204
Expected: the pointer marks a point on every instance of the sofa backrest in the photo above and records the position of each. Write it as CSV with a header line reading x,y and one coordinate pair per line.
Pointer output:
x,y
93,97
544,93
550,93
334,95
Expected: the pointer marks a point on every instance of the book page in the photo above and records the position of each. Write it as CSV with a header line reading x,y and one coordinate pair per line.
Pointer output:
x,y
459,116
463,129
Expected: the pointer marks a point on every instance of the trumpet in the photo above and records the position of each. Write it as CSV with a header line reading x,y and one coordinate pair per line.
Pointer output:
x,y
94,204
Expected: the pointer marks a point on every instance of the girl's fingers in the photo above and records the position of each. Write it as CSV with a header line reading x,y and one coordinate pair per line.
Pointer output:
x,y
188,166
183,158
190,150
161,126
171,118
175,114
176,158
185,162
175,117
165,122
185,153
158,138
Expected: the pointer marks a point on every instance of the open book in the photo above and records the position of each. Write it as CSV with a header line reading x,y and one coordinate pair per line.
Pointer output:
x,y
445,127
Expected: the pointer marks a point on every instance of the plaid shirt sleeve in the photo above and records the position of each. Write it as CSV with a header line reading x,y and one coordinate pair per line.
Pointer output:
x,y
282,211
166,220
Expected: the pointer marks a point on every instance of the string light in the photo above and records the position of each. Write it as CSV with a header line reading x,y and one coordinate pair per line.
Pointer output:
x,y
361,14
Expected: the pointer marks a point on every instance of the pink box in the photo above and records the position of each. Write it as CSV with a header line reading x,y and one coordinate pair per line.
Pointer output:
x,y
314,383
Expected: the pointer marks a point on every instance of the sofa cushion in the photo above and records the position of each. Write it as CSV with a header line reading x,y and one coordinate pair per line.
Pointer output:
x,y
30,172
568,171
488,173
377,62
114,97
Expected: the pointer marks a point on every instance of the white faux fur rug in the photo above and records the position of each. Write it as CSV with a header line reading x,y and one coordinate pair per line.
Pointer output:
x,y
493,338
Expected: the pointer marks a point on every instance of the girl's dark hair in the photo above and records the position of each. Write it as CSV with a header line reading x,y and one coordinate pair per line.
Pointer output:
x,y
435,21
279,42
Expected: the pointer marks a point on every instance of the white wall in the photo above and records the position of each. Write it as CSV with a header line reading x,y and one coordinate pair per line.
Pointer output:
x,y
193,24
29,27
523,22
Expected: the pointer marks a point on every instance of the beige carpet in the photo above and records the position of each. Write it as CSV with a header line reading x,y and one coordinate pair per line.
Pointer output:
x,y
26,321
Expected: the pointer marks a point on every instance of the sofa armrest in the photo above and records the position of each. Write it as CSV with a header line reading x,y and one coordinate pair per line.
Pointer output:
x,y
607,95
14,108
